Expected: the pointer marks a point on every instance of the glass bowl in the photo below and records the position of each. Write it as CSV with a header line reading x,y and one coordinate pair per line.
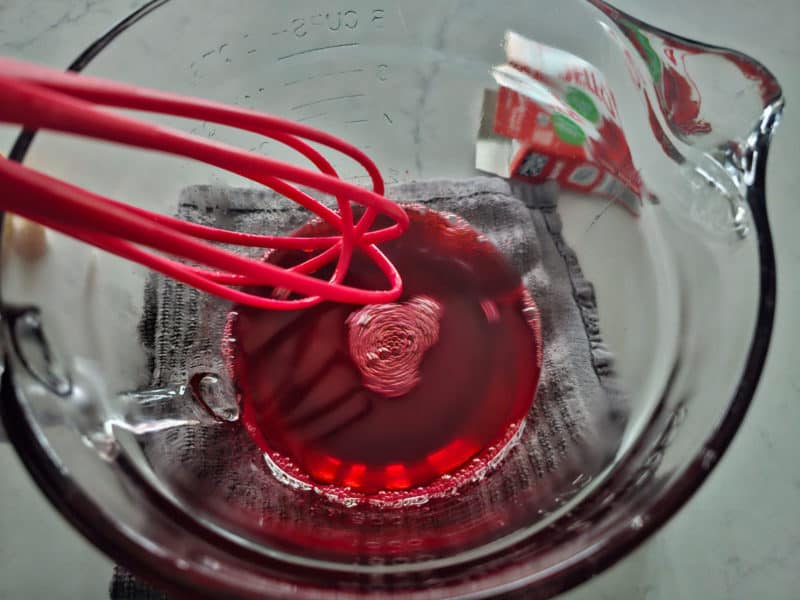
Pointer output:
x,y
685,290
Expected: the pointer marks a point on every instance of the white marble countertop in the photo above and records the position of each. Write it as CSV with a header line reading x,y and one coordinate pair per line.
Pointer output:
x,y
739,537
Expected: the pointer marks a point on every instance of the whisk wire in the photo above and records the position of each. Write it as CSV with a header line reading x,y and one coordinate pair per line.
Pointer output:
x,y
40,98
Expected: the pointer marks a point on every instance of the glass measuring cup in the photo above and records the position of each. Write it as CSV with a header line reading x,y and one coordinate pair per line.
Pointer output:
x,y
692,265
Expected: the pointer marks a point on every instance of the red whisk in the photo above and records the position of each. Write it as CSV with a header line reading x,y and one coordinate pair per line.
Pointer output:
x,y
36,97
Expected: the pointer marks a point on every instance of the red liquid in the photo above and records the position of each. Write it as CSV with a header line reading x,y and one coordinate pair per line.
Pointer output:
x,y
389,397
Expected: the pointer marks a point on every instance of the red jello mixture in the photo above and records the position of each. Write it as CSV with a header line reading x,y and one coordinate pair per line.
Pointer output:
x,y
392,396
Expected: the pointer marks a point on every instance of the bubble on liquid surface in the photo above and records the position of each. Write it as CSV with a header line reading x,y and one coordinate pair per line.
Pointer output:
x,y
387,343
445,486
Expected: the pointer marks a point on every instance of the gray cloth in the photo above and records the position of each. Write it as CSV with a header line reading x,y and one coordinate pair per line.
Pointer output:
x,y
575,424
124,585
